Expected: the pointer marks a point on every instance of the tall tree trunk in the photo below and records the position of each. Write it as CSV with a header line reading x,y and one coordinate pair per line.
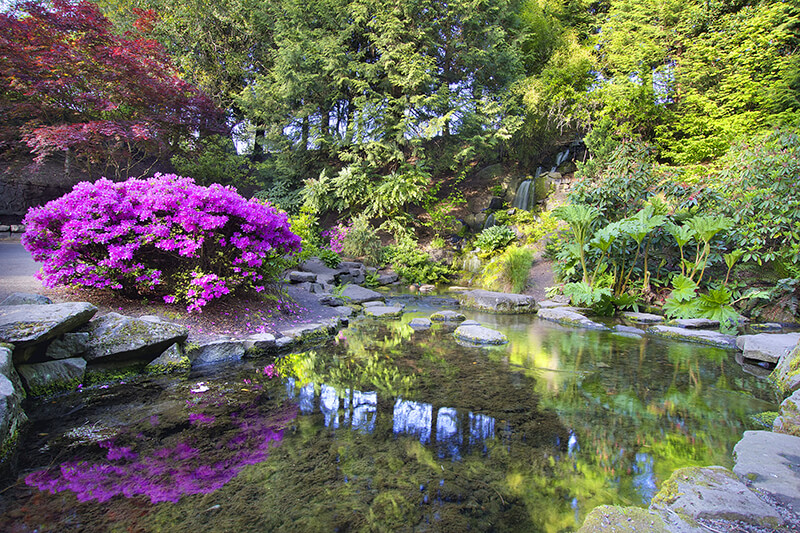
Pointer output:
x,y
258,144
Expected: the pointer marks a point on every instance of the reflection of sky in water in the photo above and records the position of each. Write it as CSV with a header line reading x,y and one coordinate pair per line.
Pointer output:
x,y
644,479
413,418
409,418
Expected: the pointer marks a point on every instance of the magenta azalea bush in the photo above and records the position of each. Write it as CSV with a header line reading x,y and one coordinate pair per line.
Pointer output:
x,y
336,236
165,236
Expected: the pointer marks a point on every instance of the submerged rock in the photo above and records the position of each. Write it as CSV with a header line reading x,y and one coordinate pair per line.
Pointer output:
x,y
569,318
768,461
117,337
53,376
420,323
788,420
701,336
694,323
642,318
498,302
605,518
479,335
769,347
24,325
713,493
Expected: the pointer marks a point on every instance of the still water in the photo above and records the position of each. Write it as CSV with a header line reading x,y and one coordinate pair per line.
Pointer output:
x,y
387,429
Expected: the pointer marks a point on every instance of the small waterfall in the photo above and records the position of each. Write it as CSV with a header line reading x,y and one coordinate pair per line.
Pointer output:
x,y
560,158
523,199
489,221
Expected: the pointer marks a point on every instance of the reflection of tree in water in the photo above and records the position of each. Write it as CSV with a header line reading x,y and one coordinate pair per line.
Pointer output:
x,y
215,451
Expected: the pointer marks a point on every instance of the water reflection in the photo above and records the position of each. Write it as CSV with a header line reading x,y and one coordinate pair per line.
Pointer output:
x,y
413,418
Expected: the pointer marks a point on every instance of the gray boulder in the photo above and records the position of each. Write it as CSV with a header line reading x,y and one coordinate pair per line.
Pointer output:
x,y
302,277
23,298
448,316
343,311
308,332
701,336
768,461
358,295
713,493
318,266
479,335
331,300
569,318
788,420
25,325
498,302
172,360
12,417
607,518
374,304
118,338
769,347
216,351
418,324
787,374
68,345
388,278
51,377
383,311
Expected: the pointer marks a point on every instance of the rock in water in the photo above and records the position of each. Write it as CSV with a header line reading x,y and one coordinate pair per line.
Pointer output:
x,y
114,337
788,420
498,302
787,374
769,347
701,336
768,461
569,318
217,352
479,335
53,376
358,295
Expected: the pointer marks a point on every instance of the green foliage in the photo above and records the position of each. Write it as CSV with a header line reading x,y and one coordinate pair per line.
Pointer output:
x,y
494,239
362,241
306,226
507,271
214,159
414,265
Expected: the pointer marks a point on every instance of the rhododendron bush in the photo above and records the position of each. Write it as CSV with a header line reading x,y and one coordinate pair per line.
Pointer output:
x,y
165,236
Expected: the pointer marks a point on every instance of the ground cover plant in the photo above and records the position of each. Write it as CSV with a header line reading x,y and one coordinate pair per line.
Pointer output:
x,y
165,236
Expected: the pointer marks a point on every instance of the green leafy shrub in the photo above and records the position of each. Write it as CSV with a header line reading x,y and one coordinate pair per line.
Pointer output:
x,y
362,241
516,267
414,265
494,239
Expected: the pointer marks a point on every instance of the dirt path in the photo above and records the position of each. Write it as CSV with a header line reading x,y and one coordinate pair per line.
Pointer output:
x,y
539,278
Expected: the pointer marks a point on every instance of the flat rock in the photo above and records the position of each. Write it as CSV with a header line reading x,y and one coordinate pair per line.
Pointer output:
x,y
713,493
569,318
448,316
769,347
358,295
498,302
52,376
388,278
420,323
318,266
331,300
259,344
23,325
766,327
694,323
308,331
787,373
549,304
217,351
302,277
788,420
384,311
374,303
24,298
701,336
12,416
117,337
68,345
628,330
608,518
344,311
172,360
642,318
769,461
470,322
479,335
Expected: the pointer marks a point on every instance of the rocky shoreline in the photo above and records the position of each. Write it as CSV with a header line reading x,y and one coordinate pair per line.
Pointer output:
x,y
46,348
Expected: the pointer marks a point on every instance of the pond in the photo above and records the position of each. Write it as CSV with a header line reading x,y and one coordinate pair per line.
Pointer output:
x,y
387,429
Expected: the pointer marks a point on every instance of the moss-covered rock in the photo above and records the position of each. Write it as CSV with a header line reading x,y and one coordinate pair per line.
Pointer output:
x,y
498,302
27,325
700,336
788,420
117,337
479,335
569,317
52,377
787,373
607,518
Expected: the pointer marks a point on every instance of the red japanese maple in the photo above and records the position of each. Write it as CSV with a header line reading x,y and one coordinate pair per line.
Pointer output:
x,y
69,83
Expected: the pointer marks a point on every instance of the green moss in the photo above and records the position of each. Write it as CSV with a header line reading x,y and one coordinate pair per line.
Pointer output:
x,y
622,520
55,387
765,419
102,376
173,367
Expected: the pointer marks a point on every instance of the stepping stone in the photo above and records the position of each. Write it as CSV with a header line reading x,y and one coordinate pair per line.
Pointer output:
x,y
498,302
384,311
569,318
420,323
694,323
479,335
358,295
447,316
711,338
769,347
642,318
